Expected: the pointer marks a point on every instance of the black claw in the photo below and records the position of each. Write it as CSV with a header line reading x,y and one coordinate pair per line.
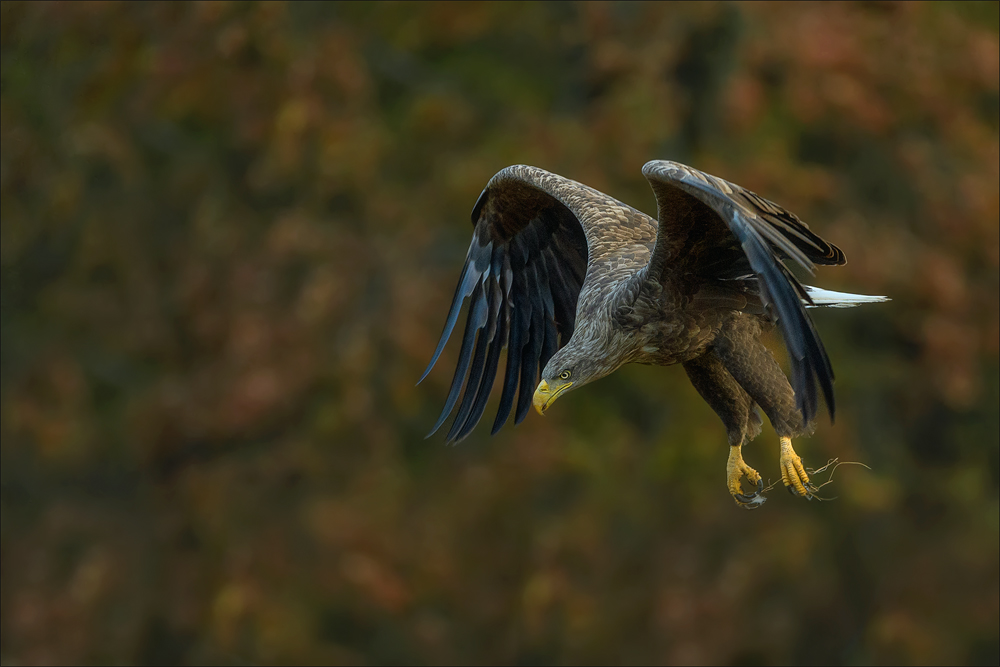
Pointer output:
x,y
808,495
752,500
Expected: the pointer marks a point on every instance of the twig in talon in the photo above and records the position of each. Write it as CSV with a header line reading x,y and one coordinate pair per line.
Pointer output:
x,y
836,463
814,490
829,481
822,468
766,489
843,463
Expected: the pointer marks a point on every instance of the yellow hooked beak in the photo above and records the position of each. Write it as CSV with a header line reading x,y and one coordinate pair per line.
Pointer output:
x,y
544,395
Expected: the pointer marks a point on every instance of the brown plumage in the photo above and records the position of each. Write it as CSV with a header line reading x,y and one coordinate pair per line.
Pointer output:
x,y
575,283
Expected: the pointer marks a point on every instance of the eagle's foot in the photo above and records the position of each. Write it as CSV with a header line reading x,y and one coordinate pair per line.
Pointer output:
x,y
793,473
736,469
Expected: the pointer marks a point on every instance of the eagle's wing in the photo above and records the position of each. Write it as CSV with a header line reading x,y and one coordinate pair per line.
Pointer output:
x,y
712,228
526,267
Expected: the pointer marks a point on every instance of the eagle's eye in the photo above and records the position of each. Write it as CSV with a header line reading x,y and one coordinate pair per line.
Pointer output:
x,y
564,375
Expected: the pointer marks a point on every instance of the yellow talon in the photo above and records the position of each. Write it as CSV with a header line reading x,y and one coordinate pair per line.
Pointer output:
x,y
793,474
736,468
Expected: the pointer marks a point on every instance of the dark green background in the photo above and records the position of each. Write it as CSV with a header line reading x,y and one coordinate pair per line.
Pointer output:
x,y
230,233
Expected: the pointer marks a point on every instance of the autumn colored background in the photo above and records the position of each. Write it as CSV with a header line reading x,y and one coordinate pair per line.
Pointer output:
x,y
230,233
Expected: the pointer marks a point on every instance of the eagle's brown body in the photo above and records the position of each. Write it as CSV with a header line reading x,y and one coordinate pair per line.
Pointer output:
x,y
575,283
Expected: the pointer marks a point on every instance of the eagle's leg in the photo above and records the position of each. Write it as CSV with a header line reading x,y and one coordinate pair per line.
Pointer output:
x,y
793,474
736,409
736,469
756,370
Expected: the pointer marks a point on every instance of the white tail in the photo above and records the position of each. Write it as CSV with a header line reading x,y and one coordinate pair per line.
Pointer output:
x,y
830,299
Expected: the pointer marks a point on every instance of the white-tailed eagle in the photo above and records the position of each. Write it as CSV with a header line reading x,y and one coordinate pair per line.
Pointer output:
x,y
574,283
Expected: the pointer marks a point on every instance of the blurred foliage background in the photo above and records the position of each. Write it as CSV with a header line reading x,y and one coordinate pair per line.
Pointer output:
x,y
230,233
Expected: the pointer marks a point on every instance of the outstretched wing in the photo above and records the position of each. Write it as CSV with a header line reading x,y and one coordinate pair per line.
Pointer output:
x,y
525,270
714,229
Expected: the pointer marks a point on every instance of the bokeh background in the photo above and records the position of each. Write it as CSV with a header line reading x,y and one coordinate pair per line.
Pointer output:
x,y
230,233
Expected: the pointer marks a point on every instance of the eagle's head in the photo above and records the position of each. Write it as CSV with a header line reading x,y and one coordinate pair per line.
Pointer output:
x,y
570,368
